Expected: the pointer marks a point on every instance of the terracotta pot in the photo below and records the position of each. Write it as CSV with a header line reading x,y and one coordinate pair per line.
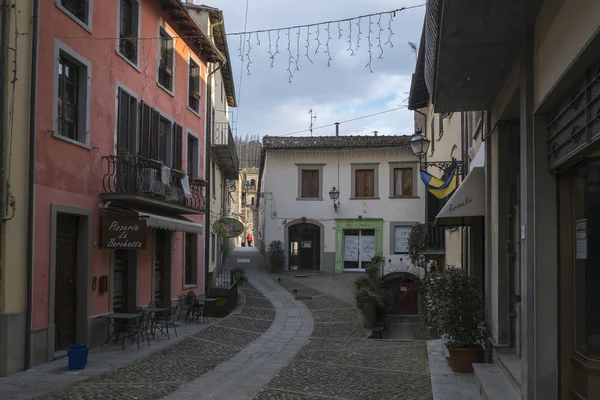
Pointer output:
x,y
276,270
461,360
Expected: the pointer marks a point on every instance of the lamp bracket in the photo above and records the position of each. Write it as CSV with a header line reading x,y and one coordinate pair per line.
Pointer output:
x,y
445,165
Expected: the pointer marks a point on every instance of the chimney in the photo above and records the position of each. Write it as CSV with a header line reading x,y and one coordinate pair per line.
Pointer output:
x,y
337,129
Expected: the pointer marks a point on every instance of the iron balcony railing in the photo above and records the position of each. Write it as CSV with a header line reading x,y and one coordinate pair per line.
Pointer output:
x,y
136,175
222,136
435,238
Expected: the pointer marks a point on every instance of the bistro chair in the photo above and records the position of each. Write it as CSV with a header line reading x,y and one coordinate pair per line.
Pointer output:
x,y
182,305
134,331
163,321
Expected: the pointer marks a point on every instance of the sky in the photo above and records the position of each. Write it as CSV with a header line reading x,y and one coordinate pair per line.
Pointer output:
x,y
268,104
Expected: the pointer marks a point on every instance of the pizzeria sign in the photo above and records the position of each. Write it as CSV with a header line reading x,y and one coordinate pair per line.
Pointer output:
x,y
123,233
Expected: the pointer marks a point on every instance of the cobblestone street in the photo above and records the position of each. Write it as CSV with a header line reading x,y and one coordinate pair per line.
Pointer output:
x,y
340,362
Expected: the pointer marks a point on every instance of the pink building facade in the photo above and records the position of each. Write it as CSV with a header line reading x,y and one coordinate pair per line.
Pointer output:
x,y
120,139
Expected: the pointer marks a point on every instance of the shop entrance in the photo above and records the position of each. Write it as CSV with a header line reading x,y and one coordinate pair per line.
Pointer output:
x,y
304,247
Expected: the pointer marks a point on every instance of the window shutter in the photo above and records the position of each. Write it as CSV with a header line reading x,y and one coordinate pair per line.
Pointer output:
x,y
177,147
123,122
164,134
407,182
145,124
154,133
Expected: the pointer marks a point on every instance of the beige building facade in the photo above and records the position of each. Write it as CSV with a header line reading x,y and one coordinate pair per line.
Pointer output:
x,y
533,68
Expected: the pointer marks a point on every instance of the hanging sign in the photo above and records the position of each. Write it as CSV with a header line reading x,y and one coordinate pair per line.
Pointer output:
x,y
123,233
581,239
228,227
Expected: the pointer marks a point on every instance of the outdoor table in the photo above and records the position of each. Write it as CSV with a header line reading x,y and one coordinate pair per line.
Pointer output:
x,y
111,317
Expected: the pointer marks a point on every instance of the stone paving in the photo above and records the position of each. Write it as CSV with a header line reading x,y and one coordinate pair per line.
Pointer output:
x,y
165,371
339,362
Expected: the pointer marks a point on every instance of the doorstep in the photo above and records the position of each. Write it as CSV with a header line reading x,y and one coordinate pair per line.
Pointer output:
x,y
445,384
493,384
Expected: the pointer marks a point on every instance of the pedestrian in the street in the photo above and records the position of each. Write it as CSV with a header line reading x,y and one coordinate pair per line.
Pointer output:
x,y
249,239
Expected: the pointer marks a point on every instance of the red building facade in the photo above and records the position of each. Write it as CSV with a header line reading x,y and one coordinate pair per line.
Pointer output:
x,y
120,134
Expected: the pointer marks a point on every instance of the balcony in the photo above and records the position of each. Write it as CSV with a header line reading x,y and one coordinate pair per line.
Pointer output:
x,y
435,238
223,147
137,182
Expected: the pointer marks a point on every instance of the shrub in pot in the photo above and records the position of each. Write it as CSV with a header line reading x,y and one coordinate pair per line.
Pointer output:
x,y
455,308
276,256
371,298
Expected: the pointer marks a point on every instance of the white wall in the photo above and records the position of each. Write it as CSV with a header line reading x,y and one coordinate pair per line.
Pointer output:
x,y
280,187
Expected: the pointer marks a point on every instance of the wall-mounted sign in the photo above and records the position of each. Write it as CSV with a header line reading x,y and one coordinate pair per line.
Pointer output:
x,y
123,233
228,227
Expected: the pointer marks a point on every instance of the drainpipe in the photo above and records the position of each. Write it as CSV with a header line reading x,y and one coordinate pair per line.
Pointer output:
x,y
3,62
207,161
31,194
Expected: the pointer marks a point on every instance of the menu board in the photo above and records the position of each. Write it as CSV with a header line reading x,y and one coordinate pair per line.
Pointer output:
x,y
401,234
367,248
351,248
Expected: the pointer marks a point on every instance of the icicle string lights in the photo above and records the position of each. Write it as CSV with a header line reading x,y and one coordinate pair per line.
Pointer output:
x,y
370,25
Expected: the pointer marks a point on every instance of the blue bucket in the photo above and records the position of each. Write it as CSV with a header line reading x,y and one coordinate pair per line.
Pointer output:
x,y
77,356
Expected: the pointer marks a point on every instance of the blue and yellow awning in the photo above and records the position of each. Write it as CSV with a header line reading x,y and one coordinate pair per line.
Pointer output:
x,y
439,188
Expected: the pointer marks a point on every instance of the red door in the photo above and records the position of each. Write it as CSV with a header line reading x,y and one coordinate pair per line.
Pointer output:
x,y
405,296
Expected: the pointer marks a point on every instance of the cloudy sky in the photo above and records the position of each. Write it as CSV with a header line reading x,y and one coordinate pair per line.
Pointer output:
x,y
270,105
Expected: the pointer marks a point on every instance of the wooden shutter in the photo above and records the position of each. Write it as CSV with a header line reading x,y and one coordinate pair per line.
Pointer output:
x,y
123,122
145,130
154,133
364,183
164,134
310,184
397,182
177,146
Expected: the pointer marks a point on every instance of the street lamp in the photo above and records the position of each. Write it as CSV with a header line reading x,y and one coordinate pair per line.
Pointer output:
x,y
334,195
419,144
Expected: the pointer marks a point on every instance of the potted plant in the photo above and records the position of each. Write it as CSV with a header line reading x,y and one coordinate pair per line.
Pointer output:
x,y
455,307
371,298
276,256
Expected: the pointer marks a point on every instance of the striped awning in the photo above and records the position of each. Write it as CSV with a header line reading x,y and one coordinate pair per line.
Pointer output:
x,y
180,224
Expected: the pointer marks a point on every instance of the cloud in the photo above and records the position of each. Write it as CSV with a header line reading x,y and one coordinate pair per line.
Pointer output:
x,y
346,90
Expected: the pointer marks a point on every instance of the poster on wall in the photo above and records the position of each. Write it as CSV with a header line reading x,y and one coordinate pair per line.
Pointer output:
x,y
581,239
351,248
401,234
367,248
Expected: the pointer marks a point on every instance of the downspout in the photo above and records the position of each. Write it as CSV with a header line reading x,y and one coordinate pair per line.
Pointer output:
x,y
207,174
3,61
31,193
465,158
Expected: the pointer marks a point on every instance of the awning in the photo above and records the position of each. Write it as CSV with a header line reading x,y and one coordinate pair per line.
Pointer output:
x,y
467,204
180,224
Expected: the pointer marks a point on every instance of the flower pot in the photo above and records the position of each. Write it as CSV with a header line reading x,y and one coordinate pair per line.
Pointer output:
x,y
276,269
461,360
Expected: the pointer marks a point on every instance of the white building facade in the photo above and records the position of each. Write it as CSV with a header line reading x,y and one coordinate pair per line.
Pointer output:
x,y
380,198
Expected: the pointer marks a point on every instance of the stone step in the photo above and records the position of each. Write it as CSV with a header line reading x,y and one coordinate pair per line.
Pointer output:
x,y
492,384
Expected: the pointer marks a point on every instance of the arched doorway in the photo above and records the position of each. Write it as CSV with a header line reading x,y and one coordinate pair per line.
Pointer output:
x,y
304,246
404,289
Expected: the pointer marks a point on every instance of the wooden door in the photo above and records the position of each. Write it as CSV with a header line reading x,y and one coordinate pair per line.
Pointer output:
x,y
66,292
120,278
65,289
405,294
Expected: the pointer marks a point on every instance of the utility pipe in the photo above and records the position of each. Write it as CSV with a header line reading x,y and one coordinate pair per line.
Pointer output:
x,y
31,193
3,62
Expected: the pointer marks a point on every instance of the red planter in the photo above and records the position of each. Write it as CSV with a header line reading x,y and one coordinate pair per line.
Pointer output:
x,y
461,360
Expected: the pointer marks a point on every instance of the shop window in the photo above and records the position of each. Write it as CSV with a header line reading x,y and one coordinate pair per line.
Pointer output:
x,y
165,60
359,248
401,234
191,259
128,30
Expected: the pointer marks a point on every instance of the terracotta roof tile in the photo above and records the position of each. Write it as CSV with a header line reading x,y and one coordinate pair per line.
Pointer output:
x,y
320,142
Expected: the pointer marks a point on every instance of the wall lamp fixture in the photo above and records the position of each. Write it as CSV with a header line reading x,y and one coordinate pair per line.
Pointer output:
x,y
419,144
334,194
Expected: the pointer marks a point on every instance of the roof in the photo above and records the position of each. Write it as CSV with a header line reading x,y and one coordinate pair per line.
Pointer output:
x,y
220,39
419,95
187,26
325,142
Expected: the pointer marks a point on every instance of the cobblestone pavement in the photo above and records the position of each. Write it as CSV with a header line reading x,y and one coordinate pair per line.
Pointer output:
x,y
165,371
339,362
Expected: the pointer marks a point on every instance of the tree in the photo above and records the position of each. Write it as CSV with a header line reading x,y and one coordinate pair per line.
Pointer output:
x,y
248,148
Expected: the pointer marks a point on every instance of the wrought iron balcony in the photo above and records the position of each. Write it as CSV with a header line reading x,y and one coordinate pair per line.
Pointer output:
x,y
138,182
435,238
223,146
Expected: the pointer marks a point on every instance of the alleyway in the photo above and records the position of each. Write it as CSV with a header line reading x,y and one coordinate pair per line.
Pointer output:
x,y
270,347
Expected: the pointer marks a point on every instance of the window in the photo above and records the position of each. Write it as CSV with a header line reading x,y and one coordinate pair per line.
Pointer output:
x,y
400,237
72,95
310,181
359,248
194,86
165,60
79,10
365,181
128,30
191,259
177,159
193,150
126,122
403,180
164,136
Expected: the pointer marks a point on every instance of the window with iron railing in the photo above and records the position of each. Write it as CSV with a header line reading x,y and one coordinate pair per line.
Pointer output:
x,y
165,60
128,30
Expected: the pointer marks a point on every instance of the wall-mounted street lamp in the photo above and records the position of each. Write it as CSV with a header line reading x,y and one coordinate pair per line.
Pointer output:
x,y
419,144
334,195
